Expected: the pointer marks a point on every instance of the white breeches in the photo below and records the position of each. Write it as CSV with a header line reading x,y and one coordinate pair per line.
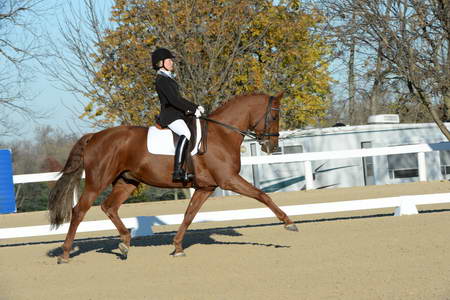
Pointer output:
x,y
180,128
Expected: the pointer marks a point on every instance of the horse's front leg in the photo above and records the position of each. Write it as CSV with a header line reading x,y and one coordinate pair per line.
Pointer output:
x,y
239,185
196,202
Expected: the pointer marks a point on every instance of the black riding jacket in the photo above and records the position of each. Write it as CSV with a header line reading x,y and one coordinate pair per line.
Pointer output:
x,y
173,106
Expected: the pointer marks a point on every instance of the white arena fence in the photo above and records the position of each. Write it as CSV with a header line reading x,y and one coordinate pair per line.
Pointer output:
x,y
142,225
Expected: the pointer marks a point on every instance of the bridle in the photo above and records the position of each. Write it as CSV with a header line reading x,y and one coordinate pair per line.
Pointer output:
x,y
251,133
267,116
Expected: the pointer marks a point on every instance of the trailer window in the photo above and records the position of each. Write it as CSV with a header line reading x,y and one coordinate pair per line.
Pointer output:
x,y
403,165
368,165
293,149
445,162
288,150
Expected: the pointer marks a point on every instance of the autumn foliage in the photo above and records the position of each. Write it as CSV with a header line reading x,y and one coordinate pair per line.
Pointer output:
x,y
223,48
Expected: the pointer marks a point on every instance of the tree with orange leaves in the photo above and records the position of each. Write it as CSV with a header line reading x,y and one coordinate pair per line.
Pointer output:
x,y
223,48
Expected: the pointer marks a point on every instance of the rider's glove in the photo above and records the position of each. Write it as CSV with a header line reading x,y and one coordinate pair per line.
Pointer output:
x,y
199,111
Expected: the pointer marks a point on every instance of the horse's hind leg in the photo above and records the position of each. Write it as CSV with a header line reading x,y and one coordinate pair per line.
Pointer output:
x,y
78,212
240,185
121,191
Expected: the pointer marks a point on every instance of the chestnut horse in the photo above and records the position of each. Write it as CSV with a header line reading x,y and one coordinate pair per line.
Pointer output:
x,y
119,156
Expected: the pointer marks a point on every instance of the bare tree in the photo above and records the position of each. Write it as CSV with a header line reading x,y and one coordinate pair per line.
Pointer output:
x,y
19,44
410,41
414,39
81,28
361,68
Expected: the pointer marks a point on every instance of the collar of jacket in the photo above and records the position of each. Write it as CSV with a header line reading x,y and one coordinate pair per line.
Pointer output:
x,y
166,73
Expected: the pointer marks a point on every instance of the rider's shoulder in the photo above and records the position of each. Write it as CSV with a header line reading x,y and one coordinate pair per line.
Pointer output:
x,y
162,81
161,77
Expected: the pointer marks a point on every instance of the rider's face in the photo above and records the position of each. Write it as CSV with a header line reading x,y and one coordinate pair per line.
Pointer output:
x,y
168,64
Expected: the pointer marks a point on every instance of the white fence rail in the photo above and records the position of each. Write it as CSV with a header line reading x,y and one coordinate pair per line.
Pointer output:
x,y
142,225
307,158
39,177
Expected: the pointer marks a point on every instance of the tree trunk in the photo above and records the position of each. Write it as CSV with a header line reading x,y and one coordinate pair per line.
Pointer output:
x,y
446,87
351,84
377,84
434,114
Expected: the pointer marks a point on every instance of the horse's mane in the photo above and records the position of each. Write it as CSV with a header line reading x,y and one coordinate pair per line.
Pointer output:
x,y
232,100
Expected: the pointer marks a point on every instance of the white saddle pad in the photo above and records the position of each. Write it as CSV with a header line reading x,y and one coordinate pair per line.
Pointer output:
x,y
161,141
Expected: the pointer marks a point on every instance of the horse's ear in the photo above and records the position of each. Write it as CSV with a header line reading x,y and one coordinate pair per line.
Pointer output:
x,y
279,95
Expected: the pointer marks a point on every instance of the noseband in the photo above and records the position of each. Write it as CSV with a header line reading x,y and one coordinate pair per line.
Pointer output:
x,y
260,137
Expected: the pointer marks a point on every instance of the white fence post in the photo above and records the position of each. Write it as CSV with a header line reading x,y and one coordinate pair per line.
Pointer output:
x,y
309,180
422,166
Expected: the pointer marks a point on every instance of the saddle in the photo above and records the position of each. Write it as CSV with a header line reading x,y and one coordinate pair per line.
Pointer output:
x,y
192,128
161,140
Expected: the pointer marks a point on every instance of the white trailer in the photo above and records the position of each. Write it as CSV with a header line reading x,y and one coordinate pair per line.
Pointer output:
x,y
388,169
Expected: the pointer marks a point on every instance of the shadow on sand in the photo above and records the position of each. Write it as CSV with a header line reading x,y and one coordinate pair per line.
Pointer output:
x,y
109,245
196,236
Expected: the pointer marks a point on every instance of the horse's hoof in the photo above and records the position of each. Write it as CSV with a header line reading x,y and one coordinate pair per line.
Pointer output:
x,y
179,254
124,249
62,260
291,227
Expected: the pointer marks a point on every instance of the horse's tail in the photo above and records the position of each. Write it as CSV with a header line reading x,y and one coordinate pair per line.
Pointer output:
x,y
61,196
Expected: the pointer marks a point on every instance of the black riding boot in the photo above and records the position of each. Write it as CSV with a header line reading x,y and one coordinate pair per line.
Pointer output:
x,y
179,175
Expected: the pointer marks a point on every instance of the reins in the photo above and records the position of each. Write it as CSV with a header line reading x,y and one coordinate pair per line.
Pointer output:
x,y
247,133
250,133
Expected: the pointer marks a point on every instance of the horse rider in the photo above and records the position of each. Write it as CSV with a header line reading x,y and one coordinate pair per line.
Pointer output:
x,y
174,108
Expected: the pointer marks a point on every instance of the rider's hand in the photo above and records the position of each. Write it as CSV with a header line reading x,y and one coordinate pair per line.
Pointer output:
x,y
201,109
198,113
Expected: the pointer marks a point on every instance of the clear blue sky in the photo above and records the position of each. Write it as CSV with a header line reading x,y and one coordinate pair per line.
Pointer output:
x,y
62,107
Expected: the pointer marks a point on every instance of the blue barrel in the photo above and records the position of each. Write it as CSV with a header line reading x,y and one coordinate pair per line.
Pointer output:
x,y
7,196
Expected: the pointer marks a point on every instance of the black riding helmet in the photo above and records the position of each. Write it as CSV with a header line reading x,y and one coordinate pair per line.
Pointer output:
x,y
159,55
